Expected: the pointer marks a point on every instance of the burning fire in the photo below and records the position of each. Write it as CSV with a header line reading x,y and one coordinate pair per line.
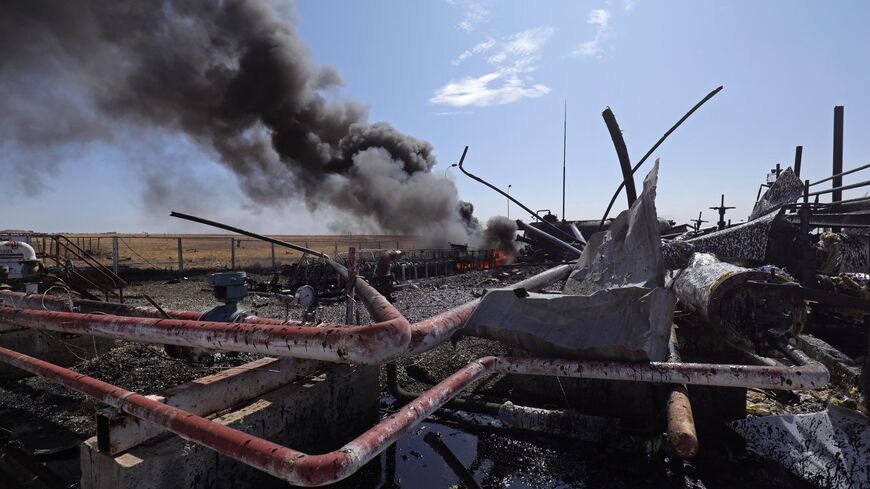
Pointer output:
x,y
496,258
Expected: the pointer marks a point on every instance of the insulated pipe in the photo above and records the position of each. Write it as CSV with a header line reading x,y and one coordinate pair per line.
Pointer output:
x,y
27,251
371,344
315,470
549,238
808,375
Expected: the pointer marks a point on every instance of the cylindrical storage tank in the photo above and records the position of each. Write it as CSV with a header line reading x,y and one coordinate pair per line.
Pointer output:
x,y
718,292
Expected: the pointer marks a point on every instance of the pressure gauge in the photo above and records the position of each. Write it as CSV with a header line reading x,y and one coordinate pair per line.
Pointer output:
x,y
306,296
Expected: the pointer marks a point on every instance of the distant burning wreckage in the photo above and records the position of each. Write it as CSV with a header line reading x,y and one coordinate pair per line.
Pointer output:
x,y
656,340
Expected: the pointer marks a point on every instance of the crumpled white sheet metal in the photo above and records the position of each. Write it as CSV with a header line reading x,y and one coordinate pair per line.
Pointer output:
x,y
614,305
787,189
830,449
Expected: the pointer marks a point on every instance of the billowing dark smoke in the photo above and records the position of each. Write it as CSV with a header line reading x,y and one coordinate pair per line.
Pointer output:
x,y
234,76
501,234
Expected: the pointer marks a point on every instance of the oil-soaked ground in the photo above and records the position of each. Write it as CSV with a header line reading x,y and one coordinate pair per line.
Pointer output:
x,y
37,415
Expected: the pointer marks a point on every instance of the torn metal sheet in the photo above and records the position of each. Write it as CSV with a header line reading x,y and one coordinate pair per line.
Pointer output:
x,y
787,189
628,253
620,323
614,305
744,242
830,449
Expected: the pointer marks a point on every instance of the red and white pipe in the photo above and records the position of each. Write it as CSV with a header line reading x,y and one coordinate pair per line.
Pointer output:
x,y
315,470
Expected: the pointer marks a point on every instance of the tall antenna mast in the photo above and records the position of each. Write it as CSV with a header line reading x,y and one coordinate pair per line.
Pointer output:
x,y
564,148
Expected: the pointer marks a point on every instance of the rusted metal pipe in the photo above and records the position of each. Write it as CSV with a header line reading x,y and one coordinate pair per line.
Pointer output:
x,y
314,470
681,432
285,463
327,342
371,344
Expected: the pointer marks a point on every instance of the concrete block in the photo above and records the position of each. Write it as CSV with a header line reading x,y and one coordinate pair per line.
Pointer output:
x,y
316,415
58,348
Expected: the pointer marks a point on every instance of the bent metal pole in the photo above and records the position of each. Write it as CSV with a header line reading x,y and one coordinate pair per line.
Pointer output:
x,y
315,470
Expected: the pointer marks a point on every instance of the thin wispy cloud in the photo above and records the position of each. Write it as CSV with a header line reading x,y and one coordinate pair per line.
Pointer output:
x,y
511,60
474,13
478,48
600,19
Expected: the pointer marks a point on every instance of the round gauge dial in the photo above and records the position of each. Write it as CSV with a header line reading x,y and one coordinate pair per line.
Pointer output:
x,y
306,296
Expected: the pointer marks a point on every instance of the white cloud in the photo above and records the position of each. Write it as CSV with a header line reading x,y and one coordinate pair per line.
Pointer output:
x,y
600,18
474,13
512,59
476,49
482,92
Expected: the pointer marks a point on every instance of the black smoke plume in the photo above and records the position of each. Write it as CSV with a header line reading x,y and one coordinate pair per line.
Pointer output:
x,y
233,76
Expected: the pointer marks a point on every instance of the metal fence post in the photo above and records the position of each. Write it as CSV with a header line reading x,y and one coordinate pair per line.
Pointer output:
x,y
351,280
180,257
232,253
274,266
115,255
837,195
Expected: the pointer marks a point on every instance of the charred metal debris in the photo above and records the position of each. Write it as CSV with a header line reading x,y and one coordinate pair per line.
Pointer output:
x,y
649,329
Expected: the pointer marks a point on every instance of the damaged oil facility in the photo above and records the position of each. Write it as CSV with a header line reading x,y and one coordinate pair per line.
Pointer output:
x,y
626,350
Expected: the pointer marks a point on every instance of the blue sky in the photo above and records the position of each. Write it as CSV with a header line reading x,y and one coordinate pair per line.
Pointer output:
x,y
494,75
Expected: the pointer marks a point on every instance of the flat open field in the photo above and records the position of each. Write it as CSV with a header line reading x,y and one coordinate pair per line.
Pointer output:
x,y
218,251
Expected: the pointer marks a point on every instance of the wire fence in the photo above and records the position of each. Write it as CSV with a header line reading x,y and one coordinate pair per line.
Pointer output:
x,y
215,252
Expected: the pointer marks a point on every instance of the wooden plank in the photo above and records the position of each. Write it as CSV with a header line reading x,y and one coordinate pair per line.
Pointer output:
x,y
118,432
